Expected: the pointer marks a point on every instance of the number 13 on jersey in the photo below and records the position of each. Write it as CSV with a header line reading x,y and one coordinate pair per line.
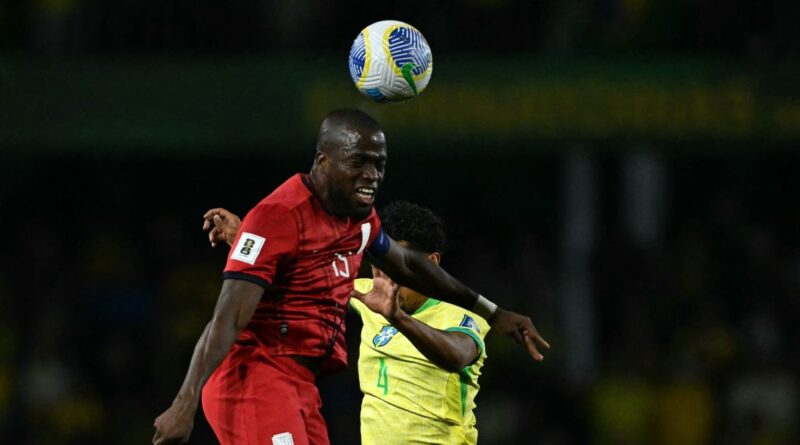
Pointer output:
x,y
341,266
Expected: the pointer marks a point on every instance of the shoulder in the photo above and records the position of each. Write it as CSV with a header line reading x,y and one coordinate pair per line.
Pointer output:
x,y
459,319
284,200
270,213
289,195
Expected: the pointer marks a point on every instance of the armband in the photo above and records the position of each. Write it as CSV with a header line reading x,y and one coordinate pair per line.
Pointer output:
x,y
485,308
380,245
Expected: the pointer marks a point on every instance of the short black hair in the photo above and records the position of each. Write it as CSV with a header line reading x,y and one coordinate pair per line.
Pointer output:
x,y
414,224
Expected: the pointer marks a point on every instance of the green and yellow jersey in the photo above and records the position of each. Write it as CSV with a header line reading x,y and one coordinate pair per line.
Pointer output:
x,y
408,399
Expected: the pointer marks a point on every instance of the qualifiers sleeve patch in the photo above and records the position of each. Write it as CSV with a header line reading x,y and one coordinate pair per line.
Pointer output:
x,y
248,248
468,322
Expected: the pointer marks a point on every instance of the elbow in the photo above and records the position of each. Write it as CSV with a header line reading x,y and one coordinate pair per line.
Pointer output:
x,y
455,362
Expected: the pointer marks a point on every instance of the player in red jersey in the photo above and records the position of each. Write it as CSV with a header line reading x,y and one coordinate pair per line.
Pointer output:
x,y
279,317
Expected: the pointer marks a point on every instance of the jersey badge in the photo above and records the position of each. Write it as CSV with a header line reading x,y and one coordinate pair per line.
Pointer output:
x,y
248,248
384,336
469,322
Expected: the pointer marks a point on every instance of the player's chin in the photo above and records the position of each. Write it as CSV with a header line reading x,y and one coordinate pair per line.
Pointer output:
x,y
360,208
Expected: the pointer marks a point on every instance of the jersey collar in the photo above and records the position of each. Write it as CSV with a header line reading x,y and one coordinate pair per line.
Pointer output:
x,y
429,303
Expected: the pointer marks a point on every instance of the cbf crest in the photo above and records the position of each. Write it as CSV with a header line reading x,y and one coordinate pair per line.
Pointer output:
x,y
384,336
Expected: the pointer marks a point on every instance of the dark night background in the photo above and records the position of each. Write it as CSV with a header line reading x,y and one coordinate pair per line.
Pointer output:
x,y
626,171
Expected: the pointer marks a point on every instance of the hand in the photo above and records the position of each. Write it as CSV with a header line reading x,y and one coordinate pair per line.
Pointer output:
x,y
521,329
225,226
383,298
174,425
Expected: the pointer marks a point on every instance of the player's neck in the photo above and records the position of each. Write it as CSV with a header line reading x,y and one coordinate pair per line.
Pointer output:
x,y
410,307
320,192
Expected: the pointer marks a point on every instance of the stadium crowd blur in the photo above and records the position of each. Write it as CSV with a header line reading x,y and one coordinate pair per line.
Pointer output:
x,y
106,279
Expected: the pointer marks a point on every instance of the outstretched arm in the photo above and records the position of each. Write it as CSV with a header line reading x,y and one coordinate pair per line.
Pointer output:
x,y
236,304
451,351
412,269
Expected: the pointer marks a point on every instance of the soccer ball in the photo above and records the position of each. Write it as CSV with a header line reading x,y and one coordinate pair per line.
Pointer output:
x,y
390,61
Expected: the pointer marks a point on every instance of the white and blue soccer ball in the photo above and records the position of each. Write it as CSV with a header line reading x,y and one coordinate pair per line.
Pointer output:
x,y
390,61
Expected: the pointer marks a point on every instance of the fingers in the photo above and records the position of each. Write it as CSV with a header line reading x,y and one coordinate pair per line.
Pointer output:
x,y
377,273
530,346
539,339
214,235
216,211
217,216
208,216
526,335
528,329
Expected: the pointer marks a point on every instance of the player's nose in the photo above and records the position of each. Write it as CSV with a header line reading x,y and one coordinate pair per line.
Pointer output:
x,y
371,173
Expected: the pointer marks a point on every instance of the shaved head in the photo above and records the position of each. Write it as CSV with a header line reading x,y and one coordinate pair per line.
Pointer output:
x,y
345,128
349,163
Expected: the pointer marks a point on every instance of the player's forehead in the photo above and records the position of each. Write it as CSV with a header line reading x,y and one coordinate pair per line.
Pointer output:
x,y
371,152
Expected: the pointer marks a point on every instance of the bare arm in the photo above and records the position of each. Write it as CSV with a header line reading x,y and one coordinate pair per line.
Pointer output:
x,y
451,351
412,269
236,304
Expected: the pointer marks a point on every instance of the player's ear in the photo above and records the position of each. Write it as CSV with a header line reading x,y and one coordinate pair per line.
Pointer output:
x,y
321,161
436,257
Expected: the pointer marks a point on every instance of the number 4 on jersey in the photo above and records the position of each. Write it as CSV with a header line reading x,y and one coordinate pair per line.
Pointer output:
x,y
383,377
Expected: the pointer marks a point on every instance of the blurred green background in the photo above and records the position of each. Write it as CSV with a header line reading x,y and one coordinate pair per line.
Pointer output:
x,y
624,170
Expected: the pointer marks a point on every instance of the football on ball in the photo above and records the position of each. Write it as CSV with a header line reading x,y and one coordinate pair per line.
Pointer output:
x,y
390,61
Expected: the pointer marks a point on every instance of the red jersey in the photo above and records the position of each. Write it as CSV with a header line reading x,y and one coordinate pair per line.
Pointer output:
x,y
306,259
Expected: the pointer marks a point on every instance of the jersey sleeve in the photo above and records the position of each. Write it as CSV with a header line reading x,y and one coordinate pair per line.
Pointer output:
x,y
268,236
459,320
379,242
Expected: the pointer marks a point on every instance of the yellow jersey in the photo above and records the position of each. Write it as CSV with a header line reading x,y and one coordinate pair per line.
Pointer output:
x,y
408,399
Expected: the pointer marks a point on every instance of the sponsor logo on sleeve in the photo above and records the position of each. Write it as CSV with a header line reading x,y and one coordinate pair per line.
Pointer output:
x,y
469,323
248,248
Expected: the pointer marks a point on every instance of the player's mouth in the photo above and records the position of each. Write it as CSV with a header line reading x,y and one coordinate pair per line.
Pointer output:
x,y
366,195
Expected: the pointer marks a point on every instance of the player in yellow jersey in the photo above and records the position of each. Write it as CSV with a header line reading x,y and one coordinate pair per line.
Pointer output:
x,y
419,358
